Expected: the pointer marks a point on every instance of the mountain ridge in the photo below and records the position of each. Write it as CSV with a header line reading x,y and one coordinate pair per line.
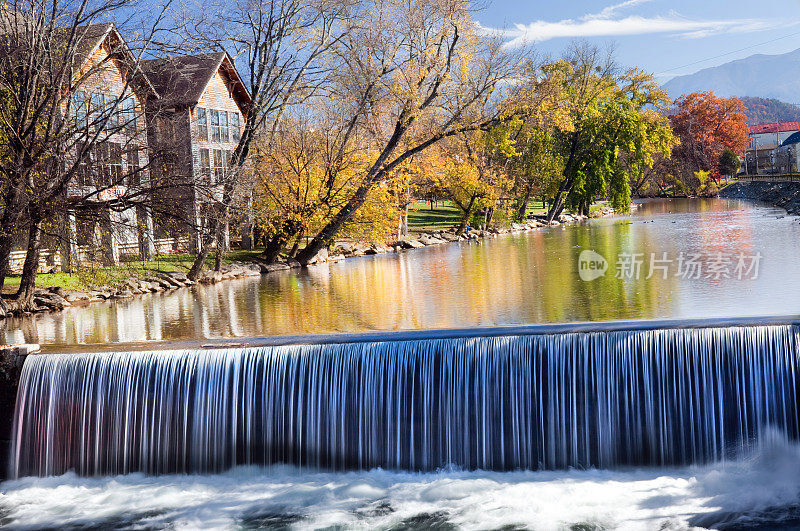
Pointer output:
x,y
760,75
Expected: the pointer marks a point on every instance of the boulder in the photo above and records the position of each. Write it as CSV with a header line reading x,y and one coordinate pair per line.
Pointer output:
x,y
180,276
146,287
132,285
336,258
411,244
123,294
160,282
361,250
58,290
269,268
449,236
210,277
51,301
169,280
344,248
319,258
251,270
76,296
291,262
428,239
102,294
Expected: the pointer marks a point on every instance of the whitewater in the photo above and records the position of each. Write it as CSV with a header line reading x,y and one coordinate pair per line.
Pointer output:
x,y
760,489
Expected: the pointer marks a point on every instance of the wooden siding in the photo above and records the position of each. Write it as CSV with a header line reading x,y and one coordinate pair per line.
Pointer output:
x,y
106,76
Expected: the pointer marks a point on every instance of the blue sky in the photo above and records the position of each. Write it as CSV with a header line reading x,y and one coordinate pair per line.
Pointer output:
x,y
665,37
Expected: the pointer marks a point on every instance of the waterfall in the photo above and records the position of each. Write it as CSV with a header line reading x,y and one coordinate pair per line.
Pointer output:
x,y
547,401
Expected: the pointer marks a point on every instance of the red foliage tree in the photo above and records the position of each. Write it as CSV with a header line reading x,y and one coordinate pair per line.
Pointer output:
x,y
707,125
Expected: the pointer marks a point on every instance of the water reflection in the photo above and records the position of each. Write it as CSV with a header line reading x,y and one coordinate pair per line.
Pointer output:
x,y
513,279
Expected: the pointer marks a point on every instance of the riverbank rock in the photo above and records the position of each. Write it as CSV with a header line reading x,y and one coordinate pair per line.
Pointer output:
x,y
269,268
3,308
50,301
77,296
168,278
429,239
146,287
123,294
210,277
411,244
320,257
160,282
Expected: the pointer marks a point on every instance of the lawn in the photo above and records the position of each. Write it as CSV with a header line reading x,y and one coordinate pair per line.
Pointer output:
x,y
90,277
446,215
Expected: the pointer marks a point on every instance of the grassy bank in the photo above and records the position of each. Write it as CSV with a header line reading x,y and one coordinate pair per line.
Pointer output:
x,y
89,277
445,215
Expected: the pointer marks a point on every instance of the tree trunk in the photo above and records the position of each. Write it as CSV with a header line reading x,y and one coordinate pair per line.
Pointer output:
x,y
465,218
523,208
329,231
566,184
6,244
27,285
200,259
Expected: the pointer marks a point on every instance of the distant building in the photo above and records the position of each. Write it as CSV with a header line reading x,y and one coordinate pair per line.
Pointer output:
x,y
763,152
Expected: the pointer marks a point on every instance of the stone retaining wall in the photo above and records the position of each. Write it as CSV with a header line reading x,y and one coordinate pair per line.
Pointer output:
x,y
785,195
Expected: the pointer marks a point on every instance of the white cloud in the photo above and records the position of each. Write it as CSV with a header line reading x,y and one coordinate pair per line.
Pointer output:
x,y
607,23
610,11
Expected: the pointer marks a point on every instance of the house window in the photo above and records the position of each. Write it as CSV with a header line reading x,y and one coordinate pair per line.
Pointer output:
x,y
205,166
223,126
202,124
134,177
84,172
216,132
99,167
128,115
219,166
79,108
115,172
236,128
98,114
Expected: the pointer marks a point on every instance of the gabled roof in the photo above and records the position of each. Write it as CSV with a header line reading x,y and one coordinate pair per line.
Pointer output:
x,y
90,38
794,138
182,80
87,39
785,127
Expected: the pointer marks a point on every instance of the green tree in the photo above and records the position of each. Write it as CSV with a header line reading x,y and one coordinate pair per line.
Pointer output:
x,y
729,162
613,127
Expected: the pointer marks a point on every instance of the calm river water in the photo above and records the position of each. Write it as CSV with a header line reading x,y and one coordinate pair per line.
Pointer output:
x,y
704,258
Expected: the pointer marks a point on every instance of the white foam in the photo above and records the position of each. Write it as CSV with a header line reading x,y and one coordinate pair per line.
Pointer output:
x,y
623,499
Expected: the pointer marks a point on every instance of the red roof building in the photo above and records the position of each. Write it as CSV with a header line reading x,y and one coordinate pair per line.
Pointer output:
x,y
786,127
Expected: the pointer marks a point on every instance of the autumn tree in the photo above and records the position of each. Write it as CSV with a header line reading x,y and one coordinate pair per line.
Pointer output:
x,y
706,126
417,73
473,175
303,176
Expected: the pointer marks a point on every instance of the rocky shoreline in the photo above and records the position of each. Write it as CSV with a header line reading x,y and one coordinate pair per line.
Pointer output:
x,y
56,298
785,195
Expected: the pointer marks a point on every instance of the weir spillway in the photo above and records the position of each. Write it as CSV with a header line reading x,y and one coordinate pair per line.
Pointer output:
x,y
521,398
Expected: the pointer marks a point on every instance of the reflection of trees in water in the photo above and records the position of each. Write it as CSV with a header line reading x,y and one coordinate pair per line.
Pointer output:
x,y
524,278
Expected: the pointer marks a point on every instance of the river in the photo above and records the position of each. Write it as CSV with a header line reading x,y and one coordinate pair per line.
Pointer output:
x,y
513,279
